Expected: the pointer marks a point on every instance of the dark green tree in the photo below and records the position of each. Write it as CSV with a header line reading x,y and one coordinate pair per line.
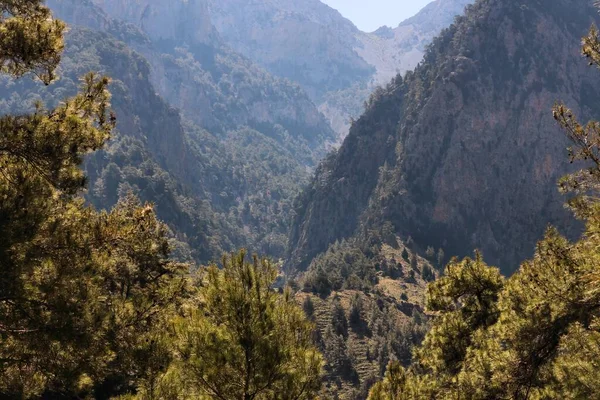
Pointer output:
x,y
309,307
246,341
405,255
339,322
82,294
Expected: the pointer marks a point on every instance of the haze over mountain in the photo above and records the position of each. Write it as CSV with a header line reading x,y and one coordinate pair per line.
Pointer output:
x,y
223,145
310,43
133,199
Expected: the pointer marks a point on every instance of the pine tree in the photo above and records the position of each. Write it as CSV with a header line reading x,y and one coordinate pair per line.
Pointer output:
x,y
339,322
405,255
414,265
31,41
83,295
357,320
247,341
309,307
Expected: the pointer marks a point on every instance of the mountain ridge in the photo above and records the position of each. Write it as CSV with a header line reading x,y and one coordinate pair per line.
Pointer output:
x,y
456,112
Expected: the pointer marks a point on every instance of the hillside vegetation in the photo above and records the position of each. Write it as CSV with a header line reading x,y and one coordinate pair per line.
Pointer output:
x,y
131,116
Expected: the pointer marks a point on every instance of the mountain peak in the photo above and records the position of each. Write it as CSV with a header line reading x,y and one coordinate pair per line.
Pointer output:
x,y
384,32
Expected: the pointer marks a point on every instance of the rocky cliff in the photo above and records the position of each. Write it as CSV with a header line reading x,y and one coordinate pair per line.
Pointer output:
x,y
304,41
463,153
177,22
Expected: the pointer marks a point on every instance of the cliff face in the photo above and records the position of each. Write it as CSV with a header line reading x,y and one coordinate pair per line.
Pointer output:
x,y
178,22
304,41
397,50
463,153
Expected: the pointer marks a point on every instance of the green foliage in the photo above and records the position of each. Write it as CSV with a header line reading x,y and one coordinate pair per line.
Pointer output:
x,y
413,262
466,300
427,273
246,341
339,321
405,255
344,266
30,40
357,319
83,295
339,362
309,307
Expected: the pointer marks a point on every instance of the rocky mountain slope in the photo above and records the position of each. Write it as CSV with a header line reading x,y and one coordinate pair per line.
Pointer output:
x,y
368,306
196,72
464,152
218,144
305,41
312,44
400,49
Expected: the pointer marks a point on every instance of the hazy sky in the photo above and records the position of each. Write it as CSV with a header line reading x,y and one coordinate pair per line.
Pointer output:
x,y
369,15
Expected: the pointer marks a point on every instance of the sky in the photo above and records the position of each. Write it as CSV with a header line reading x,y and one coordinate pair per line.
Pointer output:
x,y
368,15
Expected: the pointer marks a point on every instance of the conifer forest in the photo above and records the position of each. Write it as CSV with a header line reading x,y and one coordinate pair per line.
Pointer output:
x,y
257,200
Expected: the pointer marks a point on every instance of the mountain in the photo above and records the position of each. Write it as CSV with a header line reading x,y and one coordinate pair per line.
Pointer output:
x,y
305,41
312,44
220,146
212,85
462,153
400,49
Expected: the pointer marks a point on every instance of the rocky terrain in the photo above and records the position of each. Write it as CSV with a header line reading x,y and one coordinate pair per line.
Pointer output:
x,y
464,152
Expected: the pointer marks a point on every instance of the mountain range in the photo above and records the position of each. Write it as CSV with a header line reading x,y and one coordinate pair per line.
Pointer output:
x,y
219,138
333,61
360,161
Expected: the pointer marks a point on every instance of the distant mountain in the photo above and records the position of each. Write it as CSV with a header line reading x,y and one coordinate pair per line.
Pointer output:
x,y
464,152
217,143
400,49
214,86
312,44
305,41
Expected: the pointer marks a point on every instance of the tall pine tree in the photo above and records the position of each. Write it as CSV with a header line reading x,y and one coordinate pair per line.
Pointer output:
x,y
82,294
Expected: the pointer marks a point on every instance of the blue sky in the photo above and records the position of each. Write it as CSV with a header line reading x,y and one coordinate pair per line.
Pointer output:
x,y
369,15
